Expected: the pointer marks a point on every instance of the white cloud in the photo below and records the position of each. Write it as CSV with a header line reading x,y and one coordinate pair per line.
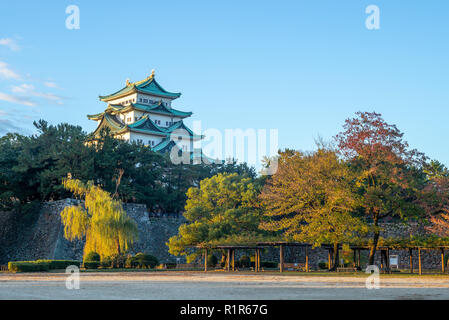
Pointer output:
x,y
16,99
7,73
29,90
48,96
10,43
23,88
51,84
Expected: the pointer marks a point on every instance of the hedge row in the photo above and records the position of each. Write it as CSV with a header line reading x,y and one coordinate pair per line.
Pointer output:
x,y
142,260
61,264
40,265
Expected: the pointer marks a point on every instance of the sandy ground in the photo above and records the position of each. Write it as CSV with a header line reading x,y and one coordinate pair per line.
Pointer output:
x,y
197,285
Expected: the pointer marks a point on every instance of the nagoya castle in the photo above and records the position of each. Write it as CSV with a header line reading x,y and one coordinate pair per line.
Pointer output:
x,y
143,111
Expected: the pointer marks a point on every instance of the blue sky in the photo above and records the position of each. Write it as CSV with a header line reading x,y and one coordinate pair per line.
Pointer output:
x,y
302,67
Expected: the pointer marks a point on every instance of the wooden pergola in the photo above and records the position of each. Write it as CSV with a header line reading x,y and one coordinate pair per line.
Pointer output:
x,y
384,251
385,255
230,261
282,245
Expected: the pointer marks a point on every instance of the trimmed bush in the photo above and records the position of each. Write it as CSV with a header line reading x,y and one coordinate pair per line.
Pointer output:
x,y
91,264
212,261
142,260
92,256
245,262
91,260
28,266
322,265
106,262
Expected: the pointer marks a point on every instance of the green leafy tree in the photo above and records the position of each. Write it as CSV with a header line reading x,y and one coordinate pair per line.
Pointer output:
x,y
222,208
101,221
13,189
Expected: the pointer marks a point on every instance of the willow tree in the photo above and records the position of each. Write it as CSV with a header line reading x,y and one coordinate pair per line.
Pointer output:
x,y
310,199
101,221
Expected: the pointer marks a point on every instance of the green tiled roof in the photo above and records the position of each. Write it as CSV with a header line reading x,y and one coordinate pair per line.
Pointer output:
x,y
161,109
158,108
144,125
96,116
110,121
149,86
164,145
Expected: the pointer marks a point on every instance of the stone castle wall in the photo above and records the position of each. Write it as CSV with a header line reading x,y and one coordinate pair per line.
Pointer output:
x,y
46,238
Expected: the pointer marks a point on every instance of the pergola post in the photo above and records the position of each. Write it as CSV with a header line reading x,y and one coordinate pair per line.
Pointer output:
x,y
382,260
307,259
258,260
205,260
281,258
354,262
329,259
255,259
442,260
233,259
359,264
411,259
387,258
419,262
228,261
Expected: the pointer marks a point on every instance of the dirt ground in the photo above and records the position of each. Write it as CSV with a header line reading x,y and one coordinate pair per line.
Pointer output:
x,y
219,285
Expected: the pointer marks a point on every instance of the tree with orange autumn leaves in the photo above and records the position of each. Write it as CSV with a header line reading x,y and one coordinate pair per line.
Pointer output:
x,y
335,196
311,198
389,175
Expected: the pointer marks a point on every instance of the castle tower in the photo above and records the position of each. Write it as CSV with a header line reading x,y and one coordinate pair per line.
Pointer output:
x,y
143,111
